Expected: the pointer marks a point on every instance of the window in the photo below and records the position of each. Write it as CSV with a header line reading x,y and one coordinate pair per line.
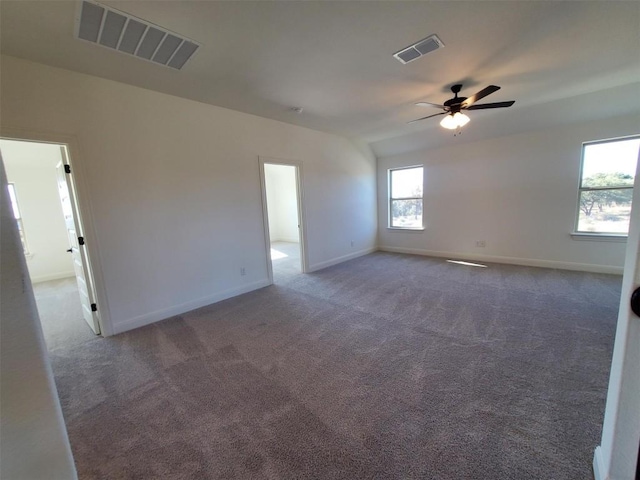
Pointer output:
x,y
17,216
606,186
405,197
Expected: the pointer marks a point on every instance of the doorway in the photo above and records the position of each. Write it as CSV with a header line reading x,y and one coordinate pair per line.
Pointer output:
x,y
284,232
45,206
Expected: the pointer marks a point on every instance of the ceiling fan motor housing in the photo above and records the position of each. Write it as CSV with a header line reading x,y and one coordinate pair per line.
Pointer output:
x,y
455,103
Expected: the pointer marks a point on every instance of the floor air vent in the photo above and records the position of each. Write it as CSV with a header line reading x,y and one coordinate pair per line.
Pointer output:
x,y
418,49
122,32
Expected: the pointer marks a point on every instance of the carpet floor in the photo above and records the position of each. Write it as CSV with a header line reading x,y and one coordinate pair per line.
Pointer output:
x,y
388,366
60,312
285,259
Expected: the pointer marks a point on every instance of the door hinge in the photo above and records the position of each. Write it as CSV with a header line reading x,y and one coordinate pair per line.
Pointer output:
x,y
81,240
67,169
94,307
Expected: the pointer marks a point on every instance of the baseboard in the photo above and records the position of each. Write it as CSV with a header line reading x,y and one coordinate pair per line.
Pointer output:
x,y
287,239
599,472
528,262
158,315
344,258
53,276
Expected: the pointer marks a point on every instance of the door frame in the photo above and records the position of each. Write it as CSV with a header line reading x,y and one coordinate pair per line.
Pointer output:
x,y
81,207
304,260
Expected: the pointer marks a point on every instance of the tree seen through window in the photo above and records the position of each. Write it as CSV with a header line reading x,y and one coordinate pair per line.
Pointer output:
x,y
606,186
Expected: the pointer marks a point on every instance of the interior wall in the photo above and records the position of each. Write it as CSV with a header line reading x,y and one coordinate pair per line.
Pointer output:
x,y
517,193
282,202
32,431
173,188
32,168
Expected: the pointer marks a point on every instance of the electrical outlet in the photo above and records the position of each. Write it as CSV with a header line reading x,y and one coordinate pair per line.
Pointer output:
x,y
481,243
243,272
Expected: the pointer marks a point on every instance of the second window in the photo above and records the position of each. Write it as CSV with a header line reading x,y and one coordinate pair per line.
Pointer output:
x,y
405,197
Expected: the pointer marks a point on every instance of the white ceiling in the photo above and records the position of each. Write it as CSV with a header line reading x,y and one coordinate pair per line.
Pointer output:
x,y
335,60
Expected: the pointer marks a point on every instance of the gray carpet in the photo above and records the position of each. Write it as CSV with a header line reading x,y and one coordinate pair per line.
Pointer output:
x,y
285,259
58,303
385,367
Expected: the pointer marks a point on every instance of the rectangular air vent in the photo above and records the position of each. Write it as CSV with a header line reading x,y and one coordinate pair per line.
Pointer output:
x,y
125,33
418,49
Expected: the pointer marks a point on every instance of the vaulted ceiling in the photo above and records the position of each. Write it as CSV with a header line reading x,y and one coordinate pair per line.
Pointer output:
x,y
557,60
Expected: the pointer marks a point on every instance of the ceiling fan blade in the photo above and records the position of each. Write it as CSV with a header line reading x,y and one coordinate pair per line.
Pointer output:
x,y
481,94
429,116
429,104
491,105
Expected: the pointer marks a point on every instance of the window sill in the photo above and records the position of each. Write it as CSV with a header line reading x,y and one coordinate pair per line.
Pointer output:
x,y
600,237
407,229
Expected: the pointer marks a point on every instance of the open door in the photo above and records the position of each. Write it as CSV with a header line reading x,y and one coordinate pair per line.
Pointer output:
x,y
617,455
76,243
288,190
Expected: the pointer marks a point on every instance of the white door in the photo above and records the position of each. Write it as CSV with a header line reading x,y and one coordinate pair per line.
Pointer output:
x,y
618,453
77,251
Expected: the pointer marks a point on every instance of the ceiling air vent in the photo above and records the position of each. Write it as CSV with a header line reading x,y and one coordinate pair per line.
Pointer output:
x,y
418,49
120,31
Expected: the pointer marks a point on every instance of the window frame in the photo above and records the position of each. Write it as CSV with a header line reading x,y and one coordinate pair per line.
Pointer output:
x,y
391,199
15,207
580,234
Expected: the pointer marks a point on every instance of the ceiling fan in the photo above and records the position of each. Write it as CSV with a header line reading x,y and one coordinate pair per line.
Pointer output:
x,y
455,119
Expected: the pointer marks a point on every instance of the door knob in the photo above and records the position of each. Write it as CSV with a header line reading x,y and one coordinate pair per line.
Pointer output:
x,y
70,250
635,301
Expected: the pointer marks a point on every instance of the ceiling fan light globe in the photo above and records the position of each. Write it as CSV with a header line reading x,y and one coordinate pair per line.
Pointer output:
x,y
461,119
449,122
454,120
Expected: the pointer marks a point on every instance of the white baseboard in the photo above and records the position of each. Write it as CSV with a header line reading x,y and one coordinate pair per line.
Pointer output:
x,y
344,258
52,276
163,314
599,472
529,262
287,239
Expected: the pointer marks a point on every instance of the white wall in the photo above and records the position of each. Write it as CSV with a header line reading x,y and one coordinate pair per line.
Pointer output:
x,y
282,202
32,168
32,432
173,187
518,193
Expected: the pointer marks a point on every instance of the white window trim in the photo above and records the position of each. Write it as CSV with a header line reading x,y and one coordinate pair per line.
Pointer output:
x,y
408,229
598,236
391,199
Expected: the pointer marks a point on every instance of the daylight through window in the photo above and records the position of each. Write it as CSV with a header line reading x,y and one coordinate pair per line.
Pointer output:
x,y
405,197
17,216
606,186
